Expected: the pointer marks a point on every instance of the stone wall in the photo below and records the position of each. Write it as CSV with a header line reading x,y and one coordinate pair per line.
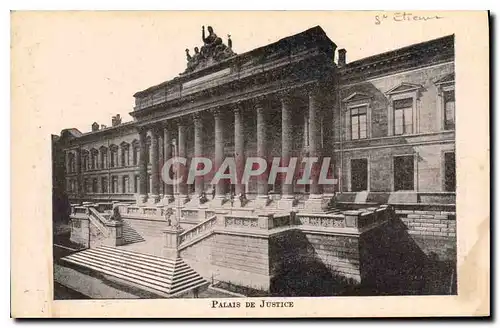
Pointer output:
x,y
314,256
240,259
80,231
434,231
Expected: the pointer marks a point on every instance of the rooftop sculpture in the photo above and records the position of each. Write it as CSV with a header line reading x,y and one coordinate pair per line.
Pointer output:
x,y
212,51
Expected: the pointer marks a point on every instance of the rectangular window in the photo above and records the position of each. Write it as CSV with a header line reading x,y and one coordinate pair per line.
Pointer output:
x,y
114,185
403,116
359,174
87,185
449,110
403,173
358,123
136,155
125,186
136,184
104,185
94,185
449,172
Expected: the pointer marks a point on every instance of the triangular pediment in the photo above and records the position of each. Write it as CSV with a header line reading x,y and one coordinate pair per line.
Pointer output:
x,y
448,78
356,96
404,87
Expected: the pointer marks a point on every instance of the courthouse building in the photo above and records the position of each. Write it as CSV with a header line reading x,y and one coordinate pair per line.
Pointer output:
x,y
387,122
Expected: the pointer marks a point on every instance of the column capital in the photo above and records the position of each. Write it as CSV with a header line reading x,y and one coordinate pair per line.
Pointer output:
x,y
156,129
181,121
238,107
284,95
197,116
313,90
259,101
216,111
142,129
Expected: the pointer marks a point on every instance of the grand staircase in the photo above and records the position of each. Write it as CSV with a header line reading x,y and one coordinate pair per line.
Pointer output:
x,y
130,235
165,277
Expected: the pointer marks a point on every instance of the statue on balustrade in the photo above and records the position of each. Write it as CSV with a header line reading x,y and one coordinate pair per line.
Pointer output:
x,y
212,51
116,216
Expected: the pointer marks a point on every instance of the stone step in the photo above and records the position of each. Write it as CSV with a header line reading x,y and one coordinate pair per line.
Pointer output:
x,y
166,276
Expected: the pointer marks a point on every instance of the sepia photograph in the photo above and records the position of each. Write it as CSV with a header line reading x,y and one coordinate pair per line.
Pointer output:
x,y
248,164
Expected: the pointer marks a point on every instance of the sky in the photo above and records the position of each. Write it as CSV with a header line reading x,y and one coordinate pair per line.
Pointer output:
x,y
75,68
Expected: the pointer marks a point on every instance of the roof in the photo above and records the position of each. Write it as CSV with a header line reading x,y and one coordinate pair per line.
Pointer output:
x,y
432,51
312,35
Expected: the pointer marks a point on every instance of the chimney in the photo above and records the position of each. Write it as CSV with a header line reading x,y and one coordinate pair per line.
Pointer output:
x,y
103,126
95,127
116,120
342,58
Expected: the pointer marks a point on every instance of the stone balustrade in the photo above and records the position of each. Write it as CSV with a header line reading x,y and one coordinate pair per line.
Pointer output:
x,y
143,211
248,222
198,230
111,231
366,217
321,220
190,214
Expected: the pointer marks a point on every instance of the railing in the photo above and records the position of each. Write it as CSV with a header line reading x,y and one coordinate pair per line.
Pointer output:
x,y
128,210
321,220
241,222
197,230
190,214
79,210
282,220
99,221
101,207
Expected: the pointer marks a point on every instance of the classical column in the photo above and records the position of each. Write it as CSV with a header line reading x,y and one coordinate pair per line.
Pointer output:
x,y
161,161
315,140
155,163
78,167
199,185
315,201
143,167
262,188
239,149
66,161
219,154
287,196
181,152
167,153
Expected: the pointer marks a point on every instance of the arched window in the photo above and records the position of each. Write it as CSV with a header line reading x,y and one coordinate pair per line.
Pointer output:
x,y
135,149
125,156
85,160
71,163
94,157
104,157
113,151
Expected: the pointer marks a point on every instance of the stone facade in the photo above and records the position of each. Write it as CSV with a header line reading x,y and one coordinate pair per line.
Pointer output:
x,y
107,164
387,123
